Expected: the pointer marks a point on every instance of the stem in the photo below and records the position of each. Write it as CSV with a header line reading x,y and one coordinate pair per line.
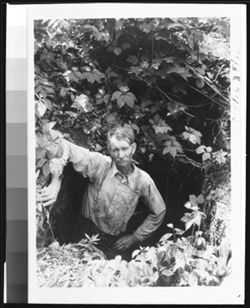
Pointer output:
x,y
218,73
174,234
210,98
207,82
48,222
189,160
193,226
168,97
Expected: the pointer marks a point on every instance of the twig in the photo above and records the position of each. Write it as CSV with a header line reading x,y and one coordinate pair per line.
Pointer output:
x,y
192,116
48,222
190,161
220,130
210,98
207,81
215,78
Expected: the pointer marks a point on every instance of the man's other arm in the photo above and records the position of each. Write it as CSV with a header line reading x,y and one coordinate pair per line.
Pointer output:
x,y
157,207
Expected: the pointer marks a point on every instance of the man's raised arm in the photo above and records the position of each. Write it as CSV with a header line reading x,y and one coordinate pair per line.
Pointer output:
x,y
88,163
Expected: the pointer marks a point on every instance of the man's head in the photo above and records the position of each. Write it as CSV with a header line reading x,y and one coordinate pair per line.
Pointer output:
x,y
121,145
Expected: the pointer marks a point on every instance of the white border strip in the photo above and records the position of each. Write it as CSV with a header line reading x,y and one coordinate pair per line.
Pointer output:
x,y
5,282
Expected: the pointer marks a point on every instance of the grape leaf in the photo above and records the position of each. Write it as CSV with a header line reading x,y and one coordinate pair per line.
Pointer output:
x,y
132,59
116,95
40,108
117,51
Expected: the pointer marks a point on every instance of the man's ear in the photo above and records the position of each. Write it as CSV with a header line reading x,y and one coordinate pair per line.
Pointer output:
x,y
108,146
133,147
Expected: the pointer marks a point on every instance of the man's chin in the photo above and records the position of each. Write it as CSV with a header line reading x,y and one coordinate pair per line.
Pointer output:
x,y
122,163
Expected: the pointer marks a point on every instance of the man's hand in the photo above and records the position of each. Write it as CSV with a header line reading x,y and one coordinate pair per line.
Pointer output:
x,y
48,195
125,242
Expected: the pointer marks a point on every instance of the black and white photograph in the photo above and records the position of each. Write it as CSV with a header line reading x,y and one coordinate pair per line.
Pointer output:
x,y
132,124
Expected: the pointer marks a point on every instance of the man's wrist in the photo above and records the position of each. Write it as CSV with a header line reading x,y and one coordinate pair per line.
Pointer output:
x,y
135,238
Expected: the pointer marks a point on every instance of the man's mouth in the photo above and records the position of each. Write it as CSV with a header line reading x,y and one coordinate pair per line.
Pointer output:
x,y
121,161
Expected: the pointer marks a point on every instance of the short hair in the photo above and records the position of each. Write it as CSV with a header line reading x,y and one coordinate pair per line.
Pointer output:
x,y
122,132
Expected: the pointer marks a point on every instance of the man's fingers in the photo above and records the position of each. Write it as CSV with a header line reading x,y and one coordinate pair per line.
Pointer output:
x,y
46,198
43,190
49,202
120,245
44,195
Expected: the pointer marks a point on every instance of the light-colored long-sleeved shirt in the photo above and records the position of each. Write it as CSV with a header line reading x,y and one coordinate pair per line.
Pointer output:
x,y
111,198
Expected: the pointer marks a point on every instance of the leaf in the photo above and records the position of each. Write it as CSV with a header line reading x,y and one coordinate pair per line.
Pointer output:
x,y
192,135
186,135
71,114
116,95
63,91
193,139
200,199
41,162
192,279
135,253
47,129
188,224
179,231
136,128
87,236
46,169
94,76
132,59
162,129
126,45
118,24
192,199
206,156
40,152
166,272
72,77
117,51
173,151
40,108
165,150
165,237
129,99
187,205
123,88
182,71
121,101
81,102
41,141
200,149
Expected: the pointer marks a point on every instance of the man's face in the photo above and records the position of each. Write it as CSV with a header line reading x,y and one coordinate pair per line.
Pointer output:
x,y
121,151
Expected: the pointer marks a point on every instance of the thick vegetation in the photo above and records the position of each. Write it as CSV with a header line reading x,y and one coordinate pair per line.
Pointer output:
x,y
170,80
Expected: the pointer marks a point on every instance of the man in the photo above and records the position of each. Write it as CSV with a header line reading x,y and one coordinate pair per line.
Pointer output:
x,y
115,186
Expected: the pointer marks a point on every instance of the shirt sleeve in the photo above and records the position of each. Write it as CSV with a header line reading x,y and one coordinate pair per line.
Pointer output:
x,y
157,207
89,163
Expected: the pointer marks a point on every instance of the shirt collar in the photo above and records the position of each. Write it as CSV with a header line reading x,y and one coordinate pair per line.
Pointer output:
x,y
115,171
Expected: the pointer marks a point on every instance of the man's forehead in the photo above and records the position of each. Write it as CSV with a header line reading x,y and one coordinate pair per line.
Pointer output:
x,y
119,141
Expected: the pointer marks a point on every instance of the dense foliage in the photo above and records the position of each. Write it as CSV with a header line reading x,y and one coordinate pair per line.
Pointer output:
x,y
168,78
161,75
175,261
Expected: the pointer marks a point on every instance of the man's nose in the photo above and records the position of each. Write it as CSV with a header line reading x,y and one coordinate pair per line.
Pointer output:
x,y
121,154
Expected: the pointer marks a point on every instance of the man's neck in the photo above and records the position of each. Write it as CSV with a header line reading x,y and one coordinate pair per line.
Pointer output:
x,y
126,170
